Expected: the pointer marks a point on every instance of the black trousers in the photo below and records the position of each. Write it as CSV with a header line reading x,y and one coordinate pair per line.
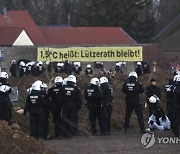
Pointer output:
x,y
106,111
138,109
176,125
37,123
94,114
152,108
69,120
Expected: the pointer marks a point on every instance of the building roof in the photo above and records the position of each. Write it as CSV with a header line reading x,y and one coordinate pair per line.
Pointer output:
x,y
22,19
86,36
169,28
8,35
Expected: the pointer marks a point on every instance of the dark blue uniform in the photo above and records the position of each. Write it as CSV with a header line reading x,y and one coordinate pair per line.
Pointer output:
x,y
106,108
71,103
93,96
56,107
5,103
36,105
132,89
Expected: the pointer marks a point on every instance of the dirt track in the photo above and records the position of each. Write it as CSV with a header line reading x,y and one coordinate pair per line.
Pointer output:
x,y
116,143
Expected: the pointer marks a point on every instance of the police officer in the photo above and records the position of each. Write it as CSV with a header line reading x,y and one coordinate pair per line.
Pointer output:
x,y
152,90
29,68
35,105
77,68
47,109
139,69
22,68
72,101
106,105
56,104
132,88
89,70
176,120
59,68
5,102
39,68
118,67
169,90
93,96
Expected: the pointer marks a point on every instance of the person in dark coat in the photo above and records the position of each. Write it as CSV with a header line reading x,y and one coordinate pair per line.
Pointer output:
x,y
14,69
176,120
89,70
106,105
56,105
36,106
71,104
155,91
132,88
93,96
5,102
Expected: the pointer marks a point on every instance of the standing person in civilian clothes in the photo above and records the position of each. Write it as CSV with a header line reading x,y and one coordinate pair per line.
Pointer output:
x,y
93,96
152,90
56,104
71,103
14,69
106,105
132,88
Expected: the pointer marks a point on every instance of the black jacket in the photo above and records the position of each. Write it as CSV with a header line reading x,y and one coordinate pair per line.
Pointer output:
x,y
92,95
71,95
132,89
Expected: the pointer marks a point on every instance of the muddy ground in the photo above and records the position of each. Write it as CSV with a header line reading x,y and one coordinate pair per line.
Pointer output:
x,y
118,142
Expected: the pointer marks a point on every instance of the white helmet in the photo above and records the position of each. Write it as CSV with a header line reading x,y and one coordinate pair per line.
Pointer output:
x,y
61,64
103,80
36,86
88,66
77,64
118,64
152,99
39,82
176,78
58,64
94,81
4,88
41,63
44,86
22,63
64,81
13,62
71,78
139,63
4,75
47,62
58,79
133,74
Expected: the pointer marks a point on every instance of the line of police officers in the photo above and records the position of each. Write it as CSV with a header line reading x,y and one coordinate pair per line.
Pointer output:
x,y
64,100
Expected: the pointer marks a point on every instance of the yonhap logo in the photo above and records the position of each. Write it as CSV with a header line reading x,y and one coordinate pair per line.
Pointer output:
x,y
148,140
